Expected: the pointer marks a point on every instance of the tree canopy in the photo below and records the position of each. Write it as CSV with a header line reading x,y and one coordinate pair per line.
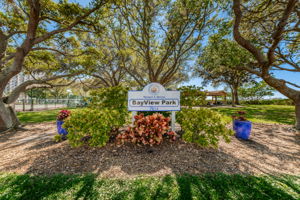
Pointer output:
x,y
256,91
162,36
219,64
269,30
33,39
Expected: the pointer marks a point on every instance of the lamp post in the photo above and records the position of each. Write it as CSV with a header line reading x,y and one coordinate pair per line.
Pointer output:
x,y
69,93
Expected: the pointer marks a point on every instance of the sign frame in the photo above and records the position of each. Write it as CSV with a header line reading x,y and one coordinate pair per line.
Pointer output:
x,y
154,92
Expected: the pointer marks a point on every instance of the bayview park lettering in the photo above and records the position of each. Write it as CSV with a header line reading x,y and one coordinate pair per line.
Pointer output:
x,y
163,102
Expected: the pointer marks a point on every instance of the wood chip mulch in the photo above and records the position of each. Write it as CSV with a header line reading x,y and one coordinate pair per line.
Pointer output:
x,y
272,149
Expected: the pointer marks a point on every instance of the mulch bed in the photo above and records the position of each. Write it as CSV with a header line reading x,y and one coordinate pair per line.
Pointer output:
x,y
272,149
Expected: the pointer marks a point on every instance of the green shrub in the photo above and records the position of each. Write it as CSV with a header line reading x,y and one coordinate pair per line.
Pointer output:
x,y
57,138
203,127
110,97
192,96
92,126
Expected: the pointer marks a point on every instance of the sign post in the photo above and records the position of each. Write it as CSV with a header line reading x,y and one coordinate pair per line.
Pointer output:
x,y
154,97
132,118
173,121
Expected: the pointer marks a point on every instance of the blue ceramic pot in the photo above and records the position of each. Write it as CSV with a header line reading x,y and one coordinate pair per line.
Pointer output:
x,y
242,129
61,130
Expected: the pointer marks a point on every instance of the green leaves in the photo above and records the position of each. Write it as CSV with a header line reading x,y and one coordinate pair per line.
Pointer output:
x,y
164,36
93,126
192,96
256,91
221,63
90,126
52,20
114,99
110,97
203,126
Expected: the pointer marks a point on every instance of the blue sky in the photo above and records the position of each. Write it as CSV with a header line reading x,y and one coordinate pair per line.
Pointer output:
x,y
81,2
293,77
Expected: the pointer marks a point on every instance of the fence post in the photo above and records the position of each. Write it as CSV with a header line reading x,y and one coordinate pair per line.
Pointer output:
x,y
23,102
31,104
46,105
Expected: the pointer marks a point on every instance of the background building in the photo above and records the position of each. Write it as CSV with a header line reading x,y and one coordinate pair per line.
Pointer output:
x,y
15,81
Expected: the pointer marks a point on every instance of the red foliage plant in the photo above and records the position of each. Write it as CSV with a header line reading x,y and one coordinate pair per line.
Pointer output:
x,y
63,114
147,130
240,116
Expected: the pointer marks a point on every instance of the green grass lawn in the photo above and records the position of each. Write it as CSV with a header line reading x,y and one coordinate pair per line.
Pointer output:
x,y
264,113
255,113
209,186
39,116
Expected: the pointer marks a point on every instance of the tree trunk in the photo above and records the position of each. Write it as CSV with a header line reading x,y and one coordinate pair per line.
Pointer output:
x,y
23,103
31,104
232,98
297,108
236,95
8,117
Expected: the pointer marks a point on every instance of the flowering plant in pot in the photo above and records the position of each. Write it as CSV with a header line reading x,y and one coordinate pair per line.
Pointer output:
x,y
241,125
62,115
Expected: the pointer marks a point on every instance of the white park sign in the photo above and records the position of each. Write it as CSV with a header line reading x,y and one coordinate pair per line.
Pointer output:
x,y
154,97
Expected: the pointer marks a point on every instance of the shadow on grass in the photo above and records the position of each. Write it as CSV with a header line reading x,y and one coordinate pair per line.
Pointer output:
x,y
207,186
50,187
222,186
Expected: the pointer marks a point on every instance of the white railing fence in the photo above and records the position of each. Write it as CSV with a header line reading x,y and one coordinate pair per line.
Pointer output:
x,y
46,104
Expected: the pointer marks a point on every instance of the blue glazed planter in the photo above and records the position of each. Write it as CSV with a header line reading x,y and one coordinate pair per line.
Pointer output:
x,y
61,130
242,129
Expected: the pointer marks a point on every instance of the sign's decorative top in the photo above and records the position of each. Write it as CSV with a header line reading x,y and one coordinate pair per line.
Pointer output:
x,y
154,97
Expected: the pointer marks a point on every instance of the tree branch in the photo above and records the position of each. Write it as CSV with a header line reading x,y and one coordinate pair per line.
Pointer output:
x,y
285,69
77,21
293,84
240,39
284,59
277,35
8,58
16,32
50,49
